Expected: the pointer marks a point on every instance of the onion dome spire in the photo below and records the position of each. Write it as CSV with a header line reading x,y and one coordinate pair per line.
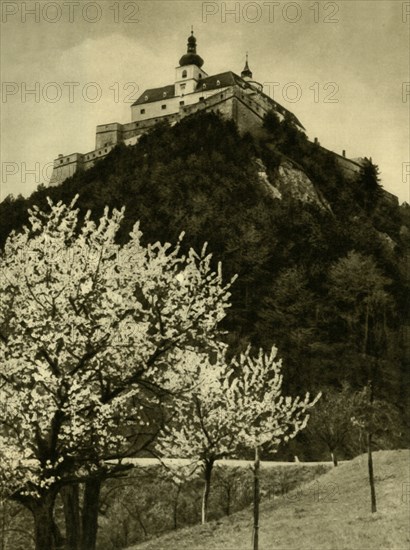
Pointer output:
x,y
191,57
246,73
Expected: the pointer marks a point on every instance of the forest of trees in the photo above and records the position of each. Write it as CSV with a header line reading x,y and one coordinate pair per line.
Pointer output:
x,y
328,287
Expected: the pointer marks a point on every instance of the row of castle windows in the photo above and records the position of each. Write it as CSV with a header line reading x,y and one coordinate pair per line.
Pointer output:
x,y
164,106
87,157
181,103
99,152
183,86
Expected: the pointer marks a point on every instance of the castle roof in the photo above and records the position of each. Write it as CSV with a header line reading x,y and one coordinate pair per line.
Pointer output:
x,y
156,94
221,80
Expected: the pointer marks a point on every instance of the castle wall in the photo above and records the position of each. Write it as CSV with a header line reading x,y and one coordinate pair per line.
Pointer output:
x,y
220,102
132,129
65,166
350,168
248,116
108,134
145,111
229,102
246,108
89,159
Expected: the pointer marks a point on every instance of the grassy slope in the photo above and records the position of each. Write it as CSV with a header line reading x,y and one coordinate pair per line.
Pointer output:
x,y
332,514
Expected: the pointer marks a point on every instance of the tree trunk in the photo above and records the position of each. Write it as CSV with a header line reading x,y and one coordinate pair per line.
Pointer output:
x,y
59,540
371,473
70,497
366,329
370,441
141,523
42,510
256,499
228,499
334,458
3,515
90,514
208,466
176,506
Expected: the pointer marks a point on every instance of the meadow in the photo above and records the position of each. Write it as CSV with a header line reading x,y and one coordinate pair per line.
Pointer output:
x,y
331,512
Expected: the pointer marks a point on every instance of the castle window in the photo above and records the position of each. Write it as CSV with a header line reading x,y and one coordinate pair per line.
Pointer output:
x,y
183,86
222,96
218,82
105,150
142,111
163,107
61,161
201,98
199,76
182,102
204,85
184,74
68,160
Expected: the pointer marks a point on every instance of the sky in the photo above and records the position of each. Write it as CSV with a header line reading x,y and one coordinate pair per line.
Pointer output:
x,y
343,68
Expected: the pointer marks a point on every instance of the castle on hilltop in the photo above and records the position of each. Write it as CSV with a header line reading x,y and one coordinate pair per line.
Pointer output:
x,y
240,98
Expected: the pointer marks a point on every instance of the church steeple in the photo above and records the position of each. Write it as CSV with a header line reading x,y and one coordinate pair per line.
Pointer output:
x,y
191,57
246,73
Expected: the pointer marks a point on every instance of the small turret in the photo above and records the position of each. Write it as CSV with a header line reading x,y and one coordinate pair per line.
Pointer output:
x,y
246,73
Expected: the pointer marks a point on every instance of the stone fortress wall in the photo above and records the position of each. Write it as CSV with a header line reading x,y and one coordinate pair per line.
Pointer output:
x,y
247,108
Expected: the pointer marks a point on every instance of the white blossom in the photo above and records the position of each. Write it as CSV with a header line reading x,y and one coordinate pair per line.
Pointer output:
x,y
86,326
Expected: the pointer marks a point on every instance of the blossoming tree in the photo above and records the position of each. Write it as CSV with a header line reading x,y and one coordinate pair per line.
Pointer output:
x,y
91,335
202,426
264,416
236,403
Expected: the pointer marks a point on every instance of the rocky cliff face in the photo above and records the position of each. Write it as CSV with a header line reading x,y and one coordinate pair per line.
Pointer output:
x,y
291,181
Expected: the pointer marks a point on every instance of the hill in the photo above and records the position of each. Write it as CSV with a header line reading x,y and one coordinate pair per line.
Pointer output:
x,y
320,259
331,513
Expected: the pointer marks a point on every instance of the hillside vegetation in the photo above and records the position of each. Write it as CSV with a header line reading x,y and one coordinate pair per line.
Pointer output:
x,y
324,280
329,513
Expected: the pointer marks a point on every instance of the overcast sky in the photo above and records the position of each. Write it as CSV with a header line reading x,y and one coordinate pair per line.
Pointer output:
x,y
340,67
